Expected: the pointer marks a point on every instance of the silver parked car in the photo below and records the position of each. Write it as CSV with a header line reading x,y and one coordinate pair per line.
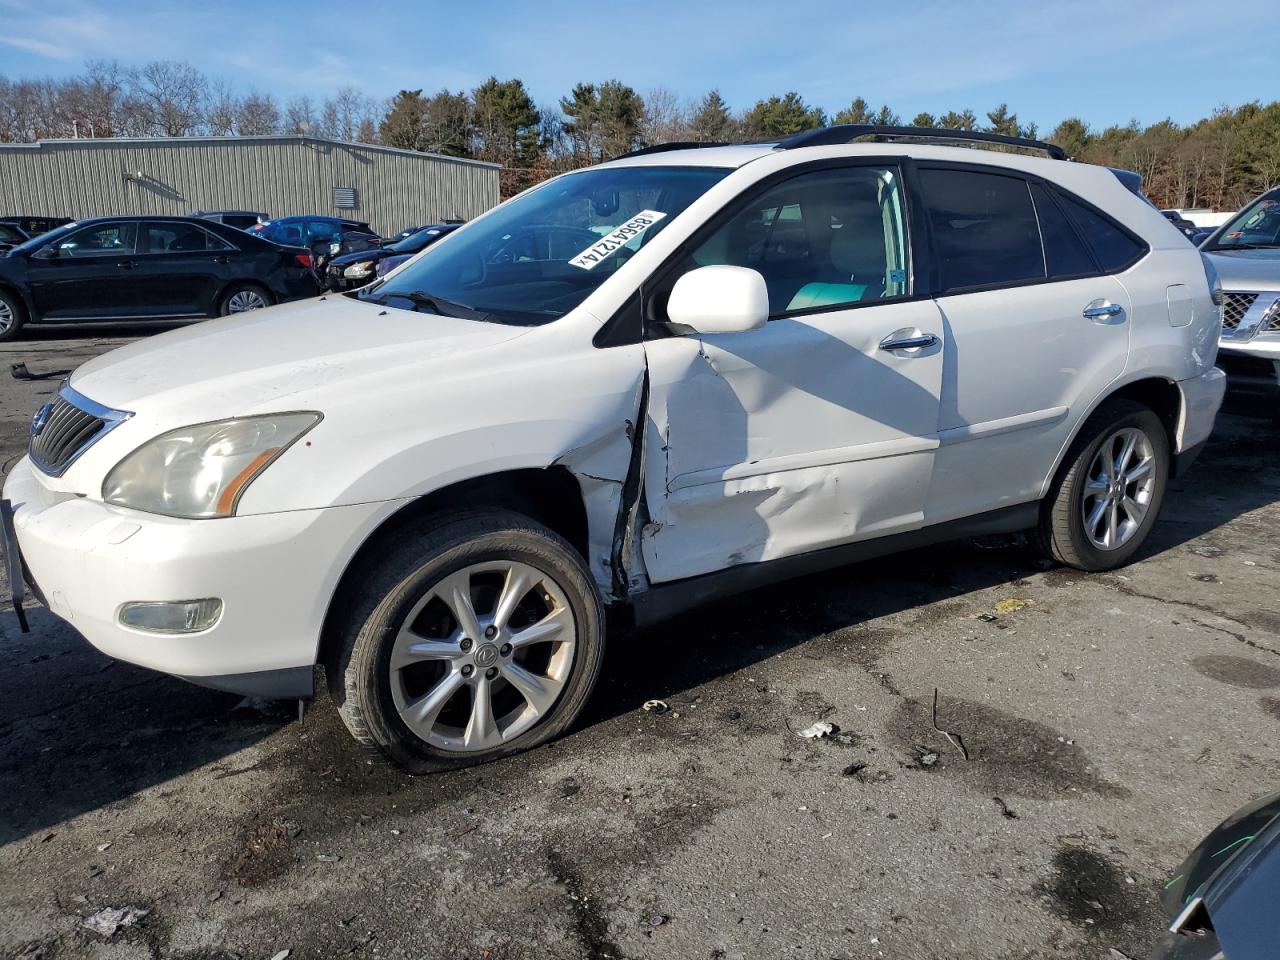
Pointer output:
x,y
1245,253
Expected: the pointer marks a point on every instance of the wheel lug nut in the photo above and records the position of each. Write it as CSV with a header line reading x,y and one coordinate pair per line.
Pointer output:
x,y
468,670
491,672
466,643
490,632
506,650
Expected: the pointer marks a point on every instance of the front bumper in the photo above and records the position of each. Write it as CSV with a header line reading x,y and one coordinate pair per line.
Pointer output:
x,y
275,574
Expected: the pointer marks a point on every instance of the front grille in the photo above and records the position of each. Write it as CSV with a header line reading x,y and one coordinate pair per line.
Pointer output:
x,y
1234,307
66,431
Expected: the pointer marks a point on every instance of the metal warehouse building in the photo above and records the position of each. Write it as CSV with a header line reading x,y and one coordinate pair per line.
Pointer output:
x,y
283,176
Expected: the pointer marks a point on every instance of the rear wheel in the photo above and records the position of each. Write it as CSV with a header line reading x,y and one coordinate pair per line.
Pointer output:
x,y
1104,501
477,636
11,316
243,298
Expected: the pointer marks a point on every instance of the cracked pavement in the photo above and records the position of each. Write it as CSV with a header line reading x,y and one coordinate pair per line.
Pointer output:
x,y
1110,721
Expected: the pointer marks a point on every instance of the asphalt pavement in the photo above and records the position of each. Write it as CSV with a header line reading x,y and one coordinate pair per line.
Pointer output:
x,y
1099,726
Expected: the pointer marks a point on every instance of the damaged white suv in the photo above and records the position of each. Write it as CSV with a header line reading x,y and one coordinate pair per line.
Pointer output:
x,y
652,382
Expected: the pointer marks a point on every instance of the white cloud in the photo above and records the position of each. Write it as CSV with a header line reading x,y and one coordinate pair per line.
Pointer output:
x,y
39,47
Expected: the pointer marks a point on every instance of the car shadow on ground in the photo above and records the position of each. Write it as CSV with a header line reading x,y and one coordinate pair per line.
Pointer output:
x,y
34,334
79,731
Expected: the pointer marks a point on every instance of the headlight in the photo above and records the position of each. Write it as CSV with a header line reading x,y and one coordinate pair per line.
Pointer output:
x,y
334,249
362,269
201,471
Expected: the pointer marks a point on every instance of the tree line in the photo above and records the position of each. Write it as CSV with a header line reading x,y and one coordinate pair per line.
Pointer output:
x,y
1219,161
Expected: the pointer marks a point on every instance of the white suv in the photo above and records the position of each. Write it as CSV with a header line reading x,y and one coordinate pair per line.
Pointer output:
x,y
649,383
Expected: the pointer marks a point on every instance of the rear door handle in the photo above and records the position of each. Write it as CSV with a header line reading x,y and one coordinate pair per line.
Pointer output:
x,y
892,342
221,259
1102,311
127,264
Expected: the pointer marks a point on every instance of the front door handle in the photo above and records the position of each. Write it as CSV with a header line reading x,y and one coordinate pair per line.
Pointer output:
x,y
1102,311
894,342
127,264
221,259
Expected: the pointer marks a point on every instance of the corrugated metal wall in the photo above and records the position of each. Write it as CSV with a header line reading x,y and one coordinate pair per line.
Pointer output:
x,y
283,176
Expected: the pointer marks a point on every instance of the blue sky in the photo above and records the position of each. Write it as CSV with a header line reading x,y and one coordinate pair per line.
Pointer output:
x,y
1106,60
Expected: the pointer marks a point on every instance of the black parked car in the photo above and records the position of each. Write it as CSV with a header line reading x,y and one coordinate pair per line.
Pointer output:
x,y
240,219
138,268
355,269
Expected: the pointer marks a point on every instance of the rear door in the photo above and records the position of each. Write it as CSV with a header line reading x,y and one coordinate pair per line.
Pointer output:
x,y
1037,331
92,276
181,267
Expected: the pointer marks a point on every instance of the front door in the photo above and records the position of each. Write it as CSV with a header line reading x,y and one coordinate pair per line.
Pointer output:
x,y
819,428
91,274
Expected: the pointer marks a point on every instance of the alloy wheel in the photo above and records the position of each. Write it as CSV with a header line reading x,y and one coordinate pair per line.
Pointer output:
x,y
483,656
244,300
6,317
1118,488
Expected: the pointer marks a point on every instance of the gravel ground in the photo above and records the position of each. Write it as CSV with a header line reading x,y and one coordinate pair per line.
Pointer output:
x,y
1110,721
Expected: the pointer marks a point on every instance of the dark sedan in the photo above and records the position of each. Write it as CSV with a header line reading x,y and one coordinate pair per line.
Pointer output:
x,y
356,269
145,268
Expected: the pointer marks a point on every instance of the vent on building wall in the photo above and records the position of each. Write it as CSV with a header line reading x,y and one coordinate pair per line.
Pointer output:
x,y
344,198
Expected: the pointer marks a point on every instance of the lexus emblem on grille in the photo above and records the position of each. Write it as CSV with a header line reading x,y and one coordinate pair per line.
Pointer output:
x,y
40,419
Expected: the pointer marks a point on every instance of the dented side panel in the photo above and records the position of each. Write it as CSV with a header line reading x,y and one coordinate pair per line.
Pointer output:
x,y
794,437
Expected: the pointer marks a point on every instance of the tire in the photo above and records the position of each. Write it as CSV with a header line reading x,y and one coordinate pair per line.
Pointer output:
x,y
244,293
1064,532
12,316
436,674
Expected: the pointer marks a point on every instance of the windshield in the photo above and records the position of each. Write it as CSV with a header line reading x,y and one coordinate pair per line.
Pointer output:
x,y
541,254
1257,226
415,241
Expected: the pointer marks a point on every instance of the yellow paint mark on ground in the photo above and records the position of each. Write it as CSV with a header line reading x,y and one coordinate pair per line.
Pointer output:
x,y
1012,605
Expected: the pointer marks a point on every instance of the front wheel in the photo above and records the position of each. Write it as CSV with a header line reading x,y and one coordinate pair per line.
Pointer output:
x,y
476,636
11,316
1104,501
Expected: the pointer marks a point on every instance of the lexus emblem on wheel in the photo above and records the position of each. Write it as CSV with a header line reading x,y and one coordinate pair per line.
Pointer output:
x,y
40,419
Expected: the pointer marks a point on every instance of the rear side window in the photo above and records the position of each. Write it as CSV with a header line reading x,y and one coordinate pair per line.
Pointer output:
x,y
175,238
1065,254
1113,247
984,229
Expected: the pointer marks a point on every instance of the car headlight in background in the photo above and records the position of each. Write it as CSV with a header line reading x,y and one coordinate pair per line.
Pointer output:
x,y
335,249
358,270
201,471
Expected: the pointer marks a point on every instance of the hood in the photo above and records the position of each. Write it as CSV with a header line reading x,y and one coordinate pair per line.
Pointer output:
x,y
360,256
1252,270
243,364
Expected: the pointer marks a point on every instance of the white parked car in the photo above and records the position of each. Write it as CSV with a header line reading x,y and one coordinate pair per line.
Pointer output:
x,y
1245,255
651,383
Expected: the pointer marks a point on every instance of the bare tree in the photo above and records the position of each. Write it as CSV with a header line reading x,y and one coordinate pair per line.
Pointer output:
x,y
168,97
220,109
300,117
666,119
257,115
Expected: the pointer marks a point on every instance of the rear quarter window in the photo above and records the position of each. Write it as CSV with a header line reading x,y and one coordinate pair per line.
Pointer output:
x,y
1113,246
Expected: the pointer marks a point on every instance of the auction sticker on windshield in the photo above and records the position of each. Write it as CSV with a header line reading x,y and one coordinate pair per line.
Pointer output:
x,y
614,241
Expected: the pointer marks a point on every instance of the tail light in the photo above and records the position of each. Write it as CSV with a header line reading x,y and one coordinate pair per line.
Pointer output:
x,y
304,259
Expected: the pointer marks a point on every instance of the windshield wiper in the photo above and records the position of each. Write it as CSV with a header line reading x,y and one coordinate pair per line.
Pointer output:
x,y
1246,246
437,304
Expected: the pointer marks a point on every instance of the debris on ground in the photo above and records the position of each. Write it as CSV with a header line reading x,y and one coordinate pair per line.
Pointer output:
x,y
282,955
657,920
110,919
1011,605
952,738
1205,551
656,706
987,617
328,857
855,770
1115,954
103,846
1204,577
818,730
928,759
1004,809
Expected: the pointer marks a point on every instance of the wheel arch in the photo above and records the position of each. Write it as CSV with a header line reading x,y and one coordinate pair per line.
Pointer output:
x,y
28,310
1160,394
551,495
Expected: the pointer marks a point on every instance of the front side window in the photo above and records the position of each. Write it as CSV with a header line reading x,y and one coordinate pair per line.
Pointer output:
x,y
321,230
821,239
985,231
100,240
539,255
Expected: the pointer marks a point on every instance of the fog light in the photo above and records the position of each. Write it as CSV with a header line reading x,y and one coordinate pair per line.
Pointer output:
x,y
176,616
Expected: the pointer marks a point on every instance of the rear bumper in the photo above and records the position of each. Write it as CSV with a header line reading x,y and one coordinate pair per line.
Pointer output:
x,y
274,574
1201,398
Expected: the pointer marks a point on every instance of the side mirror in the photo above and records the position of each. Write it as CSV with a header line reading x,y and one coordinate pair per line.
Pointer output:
x,y
719,299
46,253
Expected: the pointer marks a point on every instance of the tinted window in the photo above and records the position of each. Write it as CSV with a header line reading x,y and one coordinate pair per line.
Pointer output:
x,y
1065,254
1114,248
175,238
100,240
320,230
820,239
984,228
290,234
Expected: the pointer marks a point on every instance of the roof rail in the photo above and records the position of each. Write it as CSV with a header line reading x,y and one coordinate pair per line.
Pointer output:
x,y
847,133
675,145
